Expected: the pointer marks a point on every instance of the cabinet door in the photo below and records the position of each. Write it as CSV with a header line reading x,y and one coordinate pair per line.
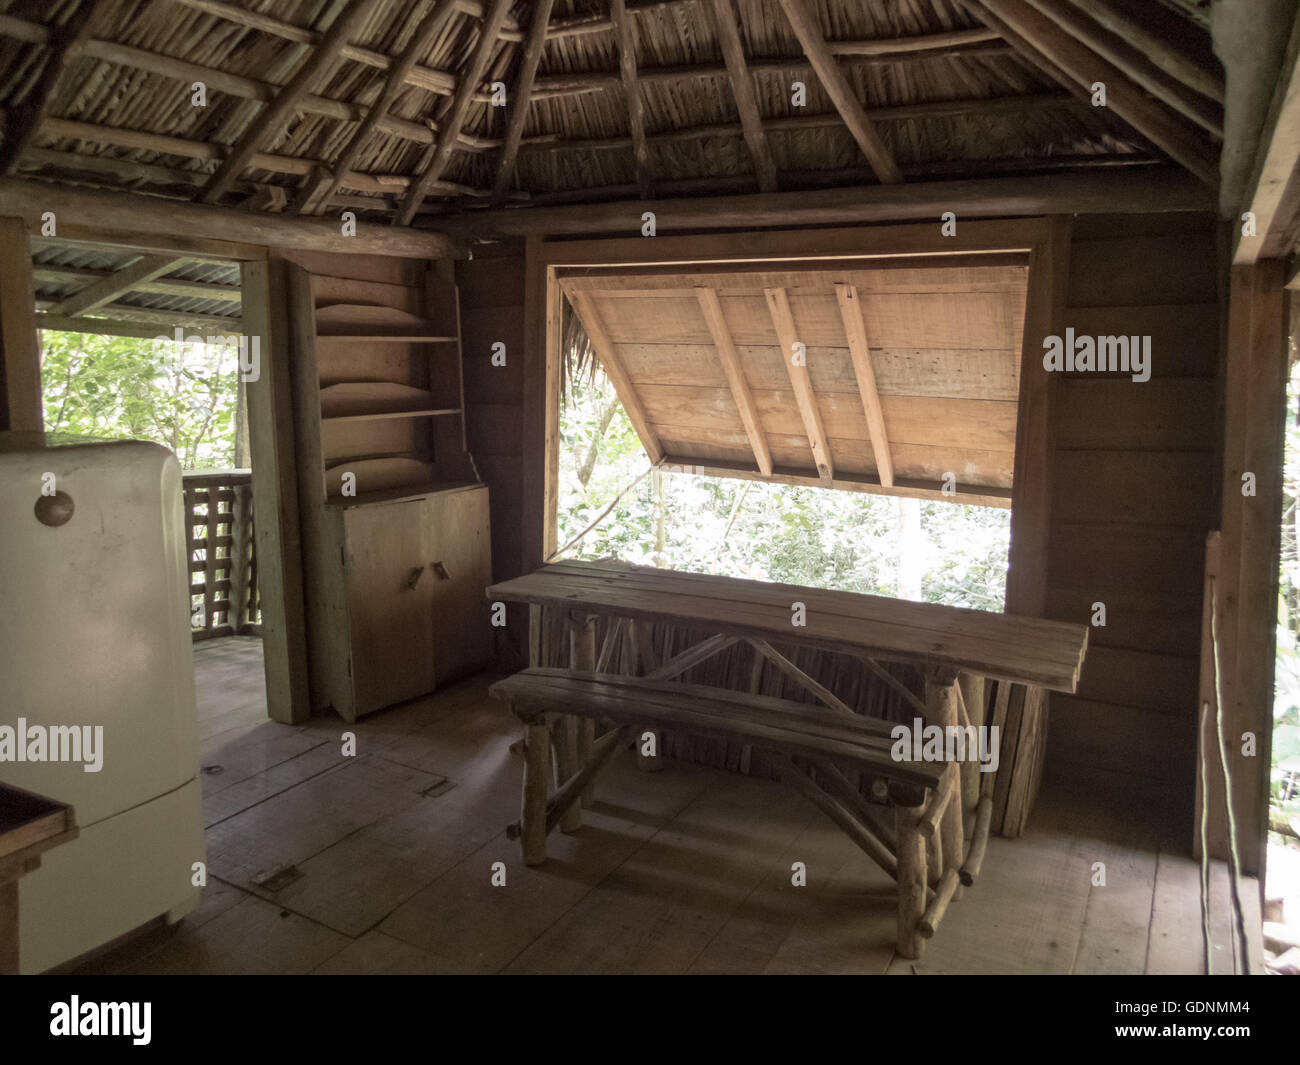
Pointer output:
x,y
390,593
460,556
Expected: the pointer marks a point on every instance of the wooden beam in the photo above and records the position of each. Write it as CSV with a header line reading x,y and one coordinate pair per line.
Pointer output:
x,y
1154,190
277,528
742,88
804,23
394,83
20,351
533,48
62,46
151,217
613,366
106,290
631,92
161,321
740,391
1031,507
778,305
202,290
856,331
456,115
906,487
1163,52
1273,194
276,114
113,327
1135,64
1060,56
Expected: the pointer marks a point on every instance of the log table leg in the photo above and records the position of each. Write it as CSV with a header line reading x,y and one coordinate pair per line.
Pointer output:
x,y
941,707
582,657
646,662
912,880
537,769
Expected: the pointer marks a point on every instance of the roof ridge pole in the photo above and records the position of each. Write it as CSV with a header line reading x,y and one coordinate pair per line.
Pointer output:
x,y
837,87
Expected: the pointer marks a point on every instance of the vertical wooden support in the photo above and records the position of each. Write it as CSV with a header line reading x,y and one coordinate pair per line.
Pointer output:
x,y
275,494
537,764
20,353
646,661
565,731
941,710
912,881
1246,584
237,595
582,656
543,317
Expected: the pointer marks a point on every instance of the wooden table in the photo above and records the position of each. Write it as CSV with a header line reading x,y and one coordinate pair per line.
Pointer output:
x,y
941,641
30,824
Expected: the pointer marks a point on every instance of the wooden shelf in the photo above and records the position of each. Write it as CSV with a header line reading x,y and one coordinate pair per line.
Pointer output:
x,y
391,338
390,414
399,494
363,321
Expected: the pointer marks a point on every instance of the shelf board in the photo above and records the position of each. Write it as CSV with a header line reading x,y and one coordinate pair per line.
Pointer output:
x,y
385,337
428,413
400,493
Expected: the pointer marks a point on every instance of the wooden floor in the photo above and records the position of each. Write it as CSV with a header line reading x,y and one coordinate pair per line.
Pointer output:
x,y
383,863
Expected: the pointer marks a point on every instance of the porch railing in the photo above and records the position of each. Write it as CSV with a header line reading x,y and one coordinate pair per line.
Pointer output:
x,y
223,564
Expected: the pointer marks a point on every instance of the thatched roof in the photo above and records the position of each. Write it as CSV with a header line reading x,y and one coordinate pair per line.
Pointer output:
x,y
387,108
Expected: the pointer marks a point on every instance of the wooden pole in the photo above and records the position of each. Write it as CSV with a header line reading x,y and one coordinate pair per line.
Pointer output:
x,y
943,895
941,707
912,883
537,764
979,842
647,662
582,657
20,352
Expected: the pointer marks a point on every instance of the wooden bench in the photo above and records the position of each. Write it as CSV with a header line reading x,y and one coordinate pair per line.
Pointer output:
x,y
817,750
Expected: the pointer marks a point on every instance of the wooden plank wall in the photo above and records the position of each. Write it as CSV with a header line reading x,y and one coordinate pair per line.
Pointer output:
x,y
492,311
1133,499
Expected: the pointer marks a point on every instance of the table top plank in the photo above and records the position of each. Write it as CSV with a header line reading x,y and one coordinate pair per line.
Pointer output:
x,y
1008,647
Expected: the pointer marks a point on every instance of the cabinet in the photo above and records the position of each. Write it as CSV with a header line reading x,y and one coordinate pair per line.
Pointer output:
x,y
395,520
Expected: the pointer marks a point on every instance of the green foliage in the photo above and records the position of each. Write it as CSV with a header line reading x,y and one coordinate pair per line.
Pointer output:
x,y
117,388
1286,701
793,534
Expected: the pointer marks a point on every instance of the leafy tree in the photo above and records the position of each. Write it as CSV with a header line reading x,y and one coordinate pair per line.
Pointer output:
x,y
123,388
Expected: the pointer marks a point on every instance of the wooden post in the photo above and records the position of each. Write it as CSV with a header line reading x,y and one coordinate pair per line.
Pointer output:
x,y
537,764
941,710
582,656
646,662
912,882
20,354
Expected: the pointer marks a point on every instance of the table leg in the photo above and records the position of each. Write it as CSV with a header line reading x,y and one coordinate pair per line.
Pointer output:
x,y
912,880
646,662
537,770
941,706
582,657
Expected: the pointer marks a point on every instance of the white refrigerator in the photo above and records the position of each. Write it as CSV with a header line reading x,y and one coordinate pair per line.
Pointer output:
x,y
95,636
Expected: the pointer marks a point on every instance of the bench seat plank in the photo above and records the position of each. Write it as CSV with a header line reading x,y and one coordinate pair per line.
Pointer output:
x,y
799,729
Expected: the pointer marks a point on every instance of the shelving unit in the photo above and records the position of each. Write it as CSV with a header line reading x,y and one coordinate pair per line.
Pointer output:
x,y
395,517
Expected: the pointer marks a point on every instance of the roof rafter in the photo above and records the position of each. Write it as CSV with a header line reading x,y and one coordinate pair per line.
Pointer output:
x,y
272,117
731,366
631,92
422,40
456,114
64,44
860,351
778,305
837,87
533,47
107,289
742,88
617,374
1075,65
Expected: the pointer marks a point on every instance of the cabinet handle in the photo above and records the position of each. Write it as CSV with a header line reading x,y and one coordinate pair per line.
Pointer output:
x,y
414,578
